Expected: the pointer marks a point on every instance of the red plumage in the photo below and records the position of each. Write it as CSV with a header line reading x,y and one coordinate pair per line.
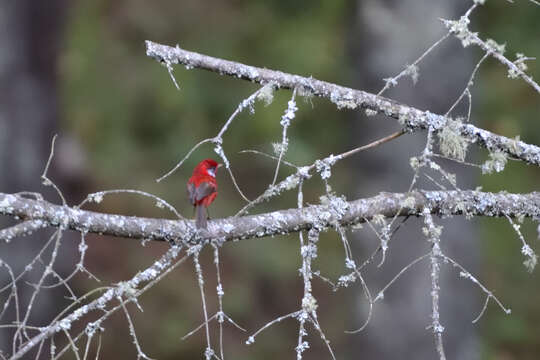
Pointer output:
x,y
202,189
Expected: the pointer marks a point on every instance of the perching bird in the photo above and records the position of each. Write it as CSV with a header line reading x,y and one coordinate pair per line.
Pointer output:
x,y
202,189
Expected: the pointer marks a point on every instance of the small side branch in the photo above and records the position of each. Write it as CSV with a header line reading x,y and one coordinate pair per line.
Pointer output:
x,y
433,233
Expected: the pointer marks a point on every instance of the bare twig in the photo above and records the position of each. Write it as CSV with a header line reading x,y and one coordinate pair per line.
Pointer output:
x,y
45,179
433,233
292,181
285,123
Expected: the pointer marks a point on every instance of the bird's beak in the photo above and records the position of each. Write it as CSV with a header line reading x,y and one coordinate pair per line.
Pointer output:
x,y
218,166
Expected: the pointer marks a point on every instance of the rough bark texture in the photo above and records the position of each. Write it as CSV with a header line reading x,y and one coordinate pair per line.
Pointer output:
x,y
442,203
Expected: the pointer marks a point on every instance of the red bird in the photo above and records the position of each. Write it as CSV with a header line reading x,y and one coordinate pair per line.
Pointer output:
x,y
202,189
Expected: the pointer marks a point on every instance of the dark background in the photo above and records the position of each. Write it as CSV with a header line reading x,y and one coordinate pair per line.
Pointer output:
x,y
79,69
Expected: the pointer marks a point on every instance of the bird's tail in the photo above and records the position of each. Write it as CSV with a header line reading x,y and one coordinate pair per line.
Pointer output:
x,y
200,217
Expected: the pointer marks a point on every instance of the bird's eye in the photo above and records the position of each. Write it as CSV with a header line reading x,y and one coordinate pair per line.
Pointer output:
x,y
212,172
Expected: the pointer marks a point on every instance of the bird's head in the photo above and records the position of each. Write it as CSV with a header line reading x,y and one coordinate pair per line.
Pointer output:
x,y
207,167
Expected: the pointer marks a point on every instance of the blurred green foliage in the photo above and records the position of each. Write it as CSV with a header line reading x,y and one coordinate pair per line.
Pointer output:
x,y
135,126
511,108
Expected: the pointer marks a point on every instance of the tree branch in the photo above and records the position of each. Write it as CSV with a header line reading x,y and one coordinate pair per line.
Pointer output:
x,y
470,203
21,229
413,119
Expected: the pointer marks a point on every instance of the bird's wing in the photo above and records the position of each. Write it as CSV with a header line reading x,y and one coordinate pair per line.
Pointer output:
x,y
197,193
191,193
203,190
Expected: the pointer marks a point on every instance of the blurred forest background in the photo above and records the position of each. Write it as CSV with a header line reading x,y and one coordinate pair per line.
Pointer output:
x,y
79,69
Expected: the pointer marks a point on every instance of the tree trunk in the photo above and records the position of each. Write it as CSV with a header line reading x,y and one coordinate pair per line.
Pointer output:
x,y
385,37
29,45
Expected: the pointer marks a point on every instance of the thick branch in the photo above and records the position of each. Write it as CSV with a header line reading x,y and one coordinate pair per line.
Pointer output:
x,y
412,118
440,203
21,229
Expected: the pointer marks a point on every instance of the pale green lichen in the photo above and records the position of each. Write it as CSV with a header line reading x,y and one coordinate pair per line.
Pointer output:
x,y
379,220
280,147
461,207
412,71
532,258
344,101
415,163
451,178
451,143
404,115
370,112
496,163
96,197
266,94
346,104
409,202
432,232
530,263
460,28
309,303
520,64
495,47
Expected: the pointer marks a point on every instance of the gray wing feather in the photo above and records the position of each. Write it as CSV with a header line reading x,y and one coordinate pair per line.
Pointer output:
x,y
195,194
191,193
204,190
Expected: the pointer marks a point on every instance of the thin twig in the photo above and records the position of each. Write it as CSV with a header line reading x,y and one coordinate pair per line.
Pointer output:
x,y
46,180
